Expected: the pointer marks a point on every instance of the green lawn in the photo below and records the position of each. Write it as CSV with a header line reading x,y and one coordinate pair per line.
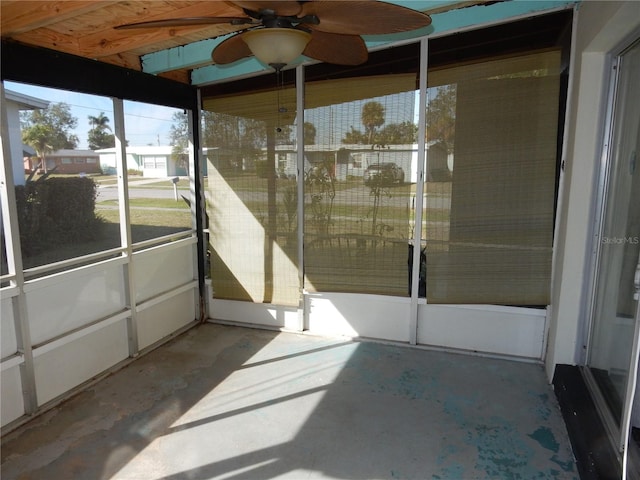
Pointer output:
x,y
150,203
152,218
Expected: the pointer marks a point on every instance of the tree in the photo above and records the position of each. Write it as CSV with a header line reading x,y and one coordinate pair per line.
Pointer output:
x,y
220,130
441,117
372,118
241,139
379,185
354,136
47,130
228,131
243,136
320,184
397,134
98,137
179,139
381,179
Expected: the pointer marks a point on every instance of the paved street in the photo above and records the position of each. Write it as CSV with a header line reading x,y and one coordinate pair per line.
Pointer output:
x,y
110,192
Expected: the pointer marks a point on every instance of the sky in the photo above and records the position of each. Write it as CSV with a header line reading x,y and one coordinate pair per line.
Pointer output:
x,y
145,124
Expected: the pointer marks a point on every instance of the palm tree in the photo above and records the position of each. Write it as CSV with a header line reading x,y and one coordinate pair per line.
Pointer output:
x,y
101,122
97,137
372,118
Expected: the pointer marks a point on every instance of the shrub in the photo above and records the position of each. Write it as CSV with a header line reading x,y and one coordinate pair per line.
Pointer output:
x,y
55,211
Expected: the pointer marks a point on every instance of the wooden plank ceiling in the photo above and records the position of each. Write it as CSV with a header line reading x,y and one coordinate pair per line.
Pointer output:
x,y
86,28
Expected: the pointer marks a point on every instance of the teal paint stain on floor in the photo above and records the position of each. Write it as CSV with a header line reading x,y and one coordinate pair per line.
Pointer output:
x,y
565,466
457,407
542,409
451,471
544,436
410,384
447,452
500,453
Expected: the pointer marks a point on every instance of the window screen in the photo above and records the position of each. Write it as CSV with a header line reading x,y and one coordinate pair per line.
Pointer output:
x,y
359,178
249,141
492,132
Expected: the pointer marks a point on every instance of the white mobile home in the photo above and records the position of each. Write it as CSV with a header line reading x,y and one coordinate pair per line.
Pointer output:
x,y
150,161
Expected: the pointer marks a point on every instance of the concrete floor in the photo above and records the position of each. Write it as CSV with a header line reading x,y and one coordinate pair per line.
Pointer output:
x,y
231,403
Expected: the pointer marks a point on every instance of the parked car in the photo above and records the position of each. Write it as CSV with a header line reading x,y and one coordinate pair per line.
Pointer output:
x,y
386,173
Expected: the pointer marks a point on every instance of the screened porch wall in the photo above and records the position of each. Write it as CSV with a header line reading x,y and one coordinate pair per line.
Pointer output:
x,y
358,196
75,308
88,329
488,218
250,145
485,201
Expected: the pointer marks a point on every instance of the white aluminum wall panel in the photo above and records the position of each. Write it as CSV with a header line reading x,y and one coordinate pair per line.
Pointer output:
x,y
8,342
353,315
508,331
11,401
160,269
490,329
59,370
260,314
158,321
64,302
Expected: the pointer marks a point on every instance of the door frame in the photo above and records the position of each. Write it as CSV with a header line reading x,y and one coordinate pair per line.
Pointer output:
x,y
618,434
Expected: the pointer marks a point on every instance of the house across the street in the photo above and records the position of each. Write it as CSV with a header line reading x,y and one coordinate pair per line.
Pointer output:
x,y
151,161
67,161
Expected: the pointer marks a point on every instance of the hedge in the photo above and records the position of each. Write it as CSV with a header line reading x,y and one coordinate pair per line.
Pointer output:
x,y
56,211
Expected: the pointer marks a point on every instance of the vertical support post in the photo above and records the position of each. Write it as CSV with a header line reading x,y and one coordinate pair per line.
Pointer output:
x,y
14,263
198,205
270,237
125,225
303,314
422,159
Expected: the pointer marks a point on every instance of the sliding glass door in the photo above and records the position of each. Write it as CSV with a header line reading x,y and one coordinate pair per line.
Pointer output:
x,y
613,344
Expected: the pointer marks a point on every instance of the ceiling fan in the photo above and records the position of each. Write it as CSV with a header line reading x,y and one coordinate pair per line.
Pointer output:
x,y
279,31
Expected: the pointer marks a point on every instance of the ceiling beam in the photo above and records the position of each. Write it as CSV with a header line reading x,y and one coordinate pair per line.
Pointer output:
x,y
194,55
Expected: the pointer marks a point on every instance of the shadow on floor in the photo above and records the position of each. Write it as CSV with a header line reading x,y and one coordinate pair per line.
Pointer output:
x,y
227,402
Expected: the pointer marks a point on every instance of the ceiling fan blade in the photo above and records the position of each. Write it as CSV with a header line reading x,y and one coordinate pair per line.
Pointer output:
x,y
232,49
285,8
336,48
186,22
364,17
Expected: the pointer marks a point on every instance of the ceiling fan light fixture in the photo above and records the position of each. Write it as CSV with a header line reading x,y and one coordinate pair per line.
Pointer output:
x,y
276,46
